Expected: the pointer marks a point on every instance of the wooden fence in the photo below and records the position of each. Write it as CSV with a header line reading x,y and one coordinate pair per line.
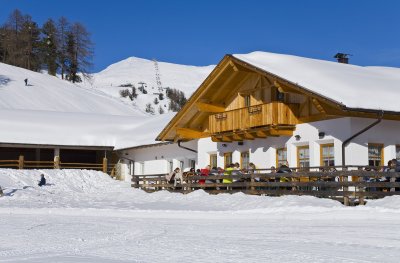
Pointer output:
x,y
347,186
21,163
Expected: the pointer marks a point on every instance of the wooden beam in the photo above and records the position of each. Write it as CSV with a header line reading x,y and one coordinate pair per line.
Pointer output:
x,y
318,105
233,66
248,136
237,137
216,139
189,133
261,134
284,88
317,117
277,132
207,107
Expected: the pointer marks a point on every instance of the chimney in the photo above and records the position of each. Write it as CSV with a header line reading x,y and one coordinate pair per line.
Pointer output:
x,y
342,58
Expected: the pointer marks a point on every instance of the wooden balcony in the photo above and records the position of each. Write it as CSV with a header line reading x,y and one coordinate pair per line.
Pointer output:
x,y
272,114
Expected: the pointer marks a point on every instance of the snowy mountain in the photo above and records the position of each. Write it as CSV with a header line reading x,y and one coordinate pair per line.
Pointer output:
x,y
57,112
142,73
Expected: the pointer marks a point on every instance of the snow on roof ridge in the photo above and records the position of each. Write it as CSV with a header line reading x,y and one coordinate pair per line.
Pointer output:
x,y
352,85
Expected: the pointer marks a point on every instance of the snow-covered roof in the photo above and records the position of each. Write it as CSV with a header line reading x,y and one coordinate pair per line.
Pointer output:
x,y
376,88
79,129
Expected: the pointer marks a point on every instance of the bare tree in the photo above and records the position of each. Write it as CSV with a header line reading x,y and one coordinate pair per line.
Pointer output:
x,y
83,48
63,28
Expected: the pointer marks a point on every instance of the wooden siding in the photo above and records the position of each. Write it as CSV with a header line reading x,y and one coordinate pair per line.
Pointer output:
x,y
274,113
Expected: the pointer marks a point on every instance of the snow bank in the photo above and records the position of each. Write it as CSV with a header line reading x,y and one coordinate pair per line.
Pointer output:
x,y
91,189
389,202
351,85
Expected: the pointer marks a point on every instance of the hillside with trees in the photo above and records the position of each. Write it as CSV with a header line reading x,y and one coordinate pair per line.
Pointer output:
x,y
60,46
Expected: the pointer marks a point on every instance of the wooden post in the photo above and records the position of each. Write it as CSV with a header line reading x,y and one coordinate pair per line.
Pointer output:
x,y
56,162
252,180
104,165
392,180
135,181
189,184
361,190
346,201
21,162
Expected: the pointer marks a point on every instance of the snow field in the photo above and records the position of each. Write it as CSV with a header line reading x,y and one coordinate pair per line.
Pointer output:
x,y
85,216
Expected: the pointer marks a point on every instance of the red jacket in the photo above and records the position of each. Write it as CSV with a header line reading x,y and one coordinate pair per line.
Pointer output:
x,y
203,172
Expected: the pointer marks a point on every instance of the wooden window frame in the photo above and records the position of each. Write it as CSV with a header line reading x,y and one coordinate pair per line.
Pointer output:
x,y
225,155
321,160
241,159
298,148
247,100
382,163
277,156
211,155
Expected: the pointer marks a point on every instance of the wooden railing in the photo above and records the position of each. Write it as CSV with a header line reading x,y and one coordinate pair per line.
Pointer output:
x,y
347,186
21,163
274,113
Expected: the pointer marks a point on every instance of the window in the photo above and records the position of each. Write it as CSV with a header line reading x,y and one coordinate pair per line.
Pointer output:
x,y
170,166
280,96
181,163
281,157
141,167
244,160
398,152
213,160
192,163
303,156
131,168
247,101
375,154
327,155
227,159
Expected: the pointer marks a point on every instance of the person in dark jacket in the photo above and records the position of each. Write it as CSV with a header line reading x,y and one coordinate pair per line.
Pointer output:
x,y
42,180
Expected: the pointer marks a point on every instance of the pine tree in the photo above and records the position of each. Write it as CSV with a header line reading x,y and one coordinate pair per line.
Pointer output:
x,y
50,46
149,108
156,101
160,110
30,40
133,95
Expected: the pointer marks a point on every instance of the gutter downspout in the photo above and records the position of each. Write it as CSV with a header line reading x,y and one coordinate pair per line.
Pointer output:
x,y
347,141
186,148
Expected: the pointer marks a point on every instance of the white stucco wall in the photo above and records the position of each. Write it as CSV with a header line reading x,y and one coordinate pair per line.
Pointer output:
x,y
157,159
263,151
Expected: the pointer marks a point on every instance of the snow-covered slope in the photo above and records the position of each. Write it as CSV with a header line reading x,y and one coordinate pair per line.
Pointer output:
x,y
55,112
48,93
142,73
134,70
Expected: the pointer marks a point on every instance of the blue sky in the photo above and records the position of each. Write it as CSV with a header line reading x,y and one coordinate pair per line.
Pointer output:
x,y
201,32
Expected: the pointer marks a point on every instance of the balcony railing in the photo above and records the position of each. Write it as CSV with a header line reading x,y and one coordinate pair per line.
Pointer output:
x,y
274,113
